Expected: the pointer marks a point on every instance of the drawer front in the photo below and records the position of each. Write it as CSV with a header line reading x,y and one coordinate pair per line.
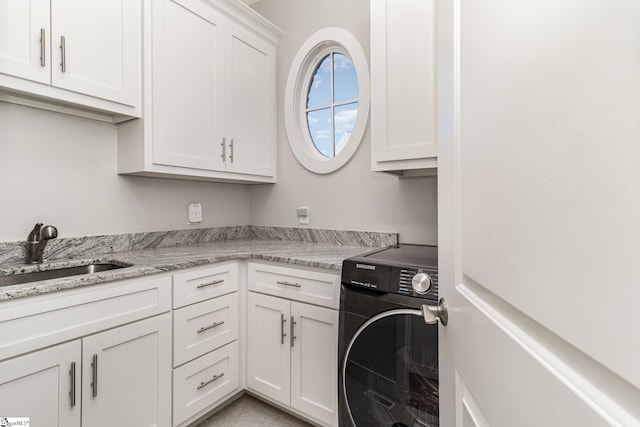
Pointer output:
x,y
297,284
205,326
202,382
40,321
204,283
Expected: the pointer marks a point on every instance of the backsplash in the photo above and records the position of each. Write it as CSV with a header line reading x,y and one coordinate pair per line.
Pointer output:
x,y
75,247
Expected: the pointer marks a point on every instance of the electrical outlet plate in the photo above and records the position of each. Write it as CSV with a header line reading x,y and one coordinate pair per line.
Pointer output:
x,y
303,215
194,213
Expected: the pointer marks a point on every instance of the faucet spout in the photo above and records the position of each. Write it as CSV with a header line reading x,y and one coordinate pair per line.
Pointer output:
x,y
37,240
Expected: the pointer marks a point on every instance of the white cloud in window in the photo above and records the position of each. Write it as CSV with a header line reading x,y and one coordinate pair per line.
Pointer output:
x,y
322,134
345,120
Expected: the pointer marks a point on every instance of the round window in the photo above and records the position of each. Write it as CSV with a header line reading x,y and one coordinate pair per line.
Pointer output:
x,y
327,100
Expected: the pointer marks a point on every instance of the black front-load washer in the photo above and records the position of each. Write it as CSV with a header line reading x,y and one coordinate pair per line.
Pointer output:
x,y
388,354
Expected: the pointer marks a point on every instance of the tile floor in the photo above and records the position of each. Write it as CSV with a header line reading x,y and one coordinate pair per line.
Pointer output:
x,y
247,411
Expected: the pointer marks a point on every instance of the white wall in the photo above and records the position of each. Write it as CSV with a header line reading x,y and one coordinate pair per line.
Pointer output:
x,y
353,197
62,170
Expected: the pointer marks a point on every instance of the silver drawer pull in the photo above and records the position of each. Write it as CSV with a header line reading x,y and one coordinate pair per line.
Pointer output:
x,y
206,328
42,47
215,282
63,54
206,383
72,393
94,369
285,283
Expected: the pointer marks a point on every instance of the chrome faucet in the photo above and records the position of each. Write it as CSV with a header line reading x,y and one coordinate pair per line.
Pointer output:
x,y
37,240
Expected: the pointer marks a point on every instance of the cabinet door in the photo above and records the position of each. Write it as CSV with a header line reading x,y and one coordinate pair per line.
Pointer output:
x,y
268,346
250,103
127,375
102,48
402,81
188,92
39,386
23,23
314,361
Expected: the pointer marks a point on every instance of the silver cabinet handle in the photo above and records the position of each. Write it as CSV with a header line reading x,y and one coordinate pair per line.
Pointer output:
x,y
206,383
206,328
285,283
204,285
282,322
94,370
224,150
231,147
72,393
292,337
42,47
63,51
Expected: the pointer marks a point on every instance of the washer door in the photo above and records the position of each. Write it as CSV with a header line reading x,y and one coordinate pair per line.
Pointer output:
x,y
390,371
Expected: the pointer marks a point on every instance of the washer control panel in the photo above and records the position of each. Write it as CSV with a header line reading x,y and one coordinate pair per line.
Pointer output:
x,y
410,270
418,282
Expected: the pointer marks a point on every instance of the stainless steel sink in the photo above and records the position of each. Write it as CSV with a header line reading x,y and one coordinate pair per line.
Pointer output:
x,y
35,276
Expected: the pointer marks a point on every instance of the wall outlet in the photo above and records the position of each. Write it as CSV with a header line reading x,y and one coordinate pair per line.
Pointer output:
x,y
303,215
194,215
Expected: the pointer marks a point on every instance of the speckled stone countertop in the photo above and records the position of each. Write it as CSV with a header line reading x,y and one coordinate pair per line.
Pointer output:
x,y
143,262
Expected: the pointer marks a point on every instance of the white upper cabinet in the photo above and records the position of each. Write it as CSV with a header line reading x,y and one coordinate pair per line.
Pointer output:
x,y
78,57
209,94
250,120
187,106
24,39
403,87
96,48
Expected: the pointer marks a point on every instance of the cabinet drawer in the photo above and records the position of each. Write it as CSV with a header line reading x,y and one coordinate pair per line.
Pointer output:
x,y
297,284
202,327
36,322
204,283
202,382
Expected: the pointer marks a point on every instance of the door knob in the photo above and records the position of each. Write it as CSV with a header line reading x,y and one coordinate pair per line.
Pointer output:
x,y
432,313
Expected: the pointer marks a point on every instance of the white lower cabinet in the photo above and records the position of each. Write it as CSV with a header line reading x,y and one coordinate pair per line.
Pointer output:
x,y
205,339
44,376
293,356
204,381
93,381
125,375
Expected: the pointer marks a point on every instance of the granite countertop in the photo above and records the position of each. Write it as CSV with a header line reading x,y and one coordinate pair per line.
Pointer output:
x,y
149,261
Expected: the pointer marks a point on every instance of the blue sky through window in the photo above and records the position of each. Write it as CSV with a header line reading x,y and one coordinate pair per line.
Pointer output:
x,y
332,103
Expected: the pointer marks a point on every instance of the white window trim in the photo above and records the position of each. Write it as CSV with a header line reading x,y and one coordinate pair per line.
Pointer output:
x,y
316,47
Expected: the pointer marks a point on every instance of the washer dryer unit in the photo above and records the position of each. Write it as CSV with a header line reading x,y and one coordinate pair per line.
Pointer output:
x,y
388,354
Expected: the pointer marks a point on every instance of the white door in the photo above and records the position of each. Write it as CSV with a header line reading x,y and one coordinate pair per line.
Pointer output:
x,y
96,48
268,346
188,91
314,361
126,376
539,151
250,100
24,39
43,386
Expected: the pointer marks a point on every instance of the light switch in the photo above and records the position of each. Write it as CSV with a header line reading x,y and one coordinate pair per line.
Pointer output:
x,y
194,213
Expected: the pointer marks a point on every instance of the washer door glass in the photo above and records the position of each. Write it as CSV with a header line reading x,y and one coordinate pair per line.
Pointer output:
x,y
390,371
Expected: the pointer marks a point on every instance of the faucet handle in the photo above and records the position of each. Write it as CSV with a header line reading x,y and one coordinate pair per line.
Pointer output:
x,y
49,232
